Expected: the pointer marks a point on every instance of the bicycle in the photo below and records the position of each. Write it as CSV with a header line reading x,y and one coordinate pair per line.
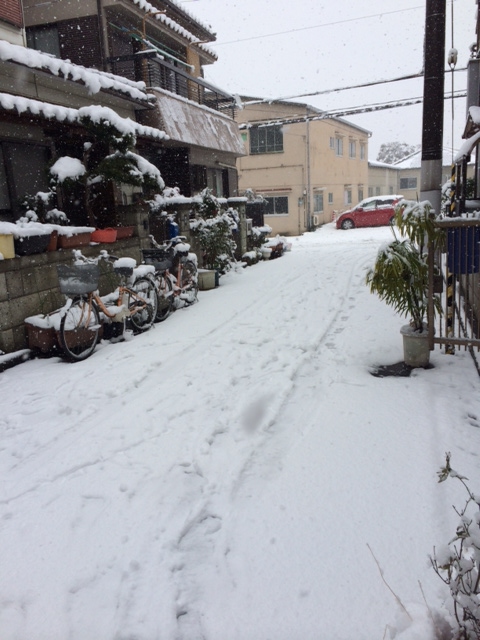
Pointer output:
x,y
176,275
86,312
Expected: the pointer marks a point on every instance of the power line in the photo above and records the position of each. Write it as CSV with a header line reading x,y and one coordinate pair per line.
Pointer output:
x,y
318,26
353,86
347,111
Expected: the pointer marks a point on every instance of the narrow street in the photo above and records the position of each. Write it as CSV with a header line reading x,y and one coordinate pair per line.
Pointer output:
x,y
222,476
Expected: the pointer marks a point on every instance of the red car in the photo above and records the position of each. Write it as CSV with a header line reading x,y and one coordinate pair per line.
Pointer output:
x,y
371,212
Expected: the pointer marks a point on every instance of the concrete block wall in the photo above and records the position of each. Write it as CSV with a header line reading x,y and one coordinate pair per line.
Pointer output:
x,y
29,284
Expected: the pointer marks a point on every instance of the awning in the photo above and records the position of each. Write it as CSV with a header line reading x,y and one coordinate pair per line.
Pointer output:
x,y
189,123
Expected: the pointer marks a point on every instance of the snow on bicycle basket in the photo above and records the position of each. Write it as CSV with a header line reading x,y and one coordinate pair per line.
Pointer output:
x,y
78,279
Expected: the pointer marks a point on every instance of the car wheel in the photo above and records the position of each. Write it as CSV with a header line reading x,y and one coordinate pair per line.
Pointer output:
x,y
348,224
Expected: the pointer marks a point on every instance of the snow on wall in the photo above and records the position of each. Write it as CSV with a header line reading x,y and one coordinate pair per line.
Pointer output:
x,y
93,79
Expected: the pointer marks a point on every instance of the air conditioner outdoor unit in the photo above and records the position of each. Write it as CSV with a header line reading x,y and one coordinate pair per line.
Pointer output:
x,y
316,220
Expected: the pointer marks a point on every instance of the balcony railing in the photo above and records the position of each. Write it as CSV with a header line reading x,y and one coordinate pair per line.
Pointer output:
x,y
156,72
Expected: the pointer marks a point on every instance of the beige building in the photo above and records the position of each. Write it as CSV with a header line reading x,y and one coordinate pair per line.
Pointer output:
x,y
306,167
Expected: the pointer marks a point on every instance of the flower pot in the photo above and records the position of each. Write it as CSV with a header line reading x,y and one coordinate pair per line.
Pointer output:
x,y
206,279
7,247
416,350
74,240
108,235
28,245
52,245
124,232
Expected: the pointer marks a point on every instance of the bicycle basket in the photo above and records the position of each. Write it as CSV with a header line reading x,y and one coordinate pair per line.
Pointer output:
x,y
78,279
159,258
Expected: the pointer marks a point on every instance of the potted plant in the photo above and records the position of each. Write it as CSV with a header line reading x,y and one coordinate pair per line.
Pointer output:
x,y
214,230
400,276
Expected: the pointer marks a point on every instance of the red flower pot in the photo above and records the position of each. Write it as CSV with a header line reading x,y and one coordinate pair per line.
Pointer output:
x,y
107,235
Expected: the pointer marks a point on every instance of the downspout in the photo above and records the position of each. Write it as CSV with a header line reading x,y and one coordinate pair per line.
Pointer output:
x,y
309,217
102,24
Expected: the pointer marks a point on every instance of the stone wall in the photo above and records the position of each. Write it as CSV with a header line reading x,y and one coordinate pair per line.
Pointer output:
x,y
29,284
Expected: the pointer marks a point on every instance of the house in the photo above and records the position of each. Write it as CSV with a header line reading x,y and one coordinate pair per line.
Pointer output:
x,y
304,165
162,45
382,179
132,64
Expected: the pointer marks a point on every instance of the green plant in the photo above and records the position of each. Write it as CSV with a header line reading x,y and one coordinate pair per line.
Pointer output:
x,y
214,231
400,273
106,159
458,565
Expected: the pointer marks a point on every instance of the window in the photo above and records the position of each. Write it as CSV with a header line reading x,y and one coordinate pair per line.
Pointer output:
x,y
44,39
408,183
332,142
276,205
318,202
352,149
348,196
377,191
266,139
330,198
360,194
362,151
22,172
339,146
370,192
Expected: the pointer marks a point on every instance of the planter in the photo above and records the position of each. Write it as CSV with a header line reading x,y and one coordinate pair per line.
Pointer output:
x,y
7,246
107,236
206,279
266,253
28,245
125,232
53,244
74,240
416,350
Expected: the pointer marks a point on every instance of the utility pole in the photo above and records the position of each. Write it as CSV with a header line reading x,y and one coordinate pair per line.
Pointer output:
x,y
433,97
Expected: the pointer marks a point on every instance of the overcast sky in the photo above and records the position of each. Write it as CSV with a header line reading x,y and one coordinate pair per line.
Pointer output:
x,y
271,49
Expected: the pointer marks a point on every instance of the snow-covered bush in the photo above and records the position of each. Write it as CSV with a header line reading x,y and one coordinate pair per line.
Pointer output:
x,y
214,230
107,157
458,563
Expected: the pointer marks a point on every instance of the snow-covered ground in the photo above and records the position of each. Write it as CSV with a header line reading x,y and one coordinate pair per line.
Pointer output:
x,y
236,473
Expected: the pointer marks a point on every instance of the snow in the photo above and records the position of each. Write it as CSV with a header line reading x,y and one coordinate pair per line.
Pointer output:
x,y
236,472
96,113
67,167
95,80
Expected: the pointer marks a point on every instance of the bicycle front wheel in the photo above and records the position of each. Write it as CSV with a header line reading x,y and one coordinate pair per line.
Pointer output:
x,y
164,297
79,330
142,304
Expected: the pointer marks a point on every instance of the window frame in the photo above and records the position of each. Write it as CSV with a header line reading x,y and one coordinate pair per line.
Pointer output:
x,y
282,200
259,146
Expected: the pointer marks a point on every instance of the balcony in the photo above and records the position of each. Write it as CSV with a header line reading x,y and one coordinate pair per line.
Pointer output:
x,y
157,72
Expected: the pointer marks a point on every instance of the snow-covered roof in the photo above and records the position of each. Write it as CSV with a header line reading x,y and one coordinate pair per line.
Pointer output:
x,y
414,161
192,123
381,165
144,5
97,113
93,79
